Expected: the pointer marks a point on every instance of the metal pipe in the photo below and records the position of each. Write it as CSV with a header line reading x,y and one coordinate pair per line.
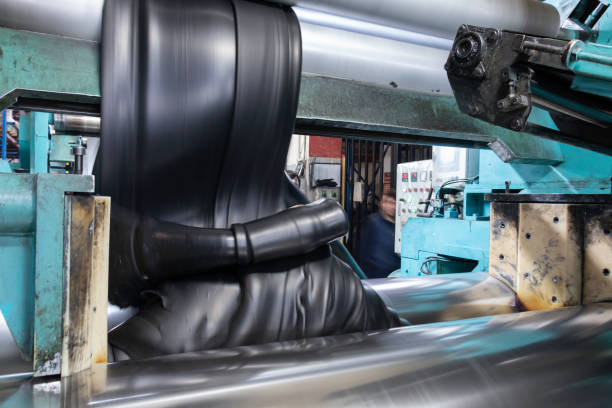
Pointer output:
x,y
437,18
376,30
18,209
343,54
4,134
11,363
439,298
382,153
76,123
441,18
374,144
547,358
358,49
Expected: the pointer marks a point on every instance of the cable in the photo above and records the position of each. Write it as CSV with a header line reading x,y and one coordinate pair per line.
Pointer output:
x,y
429,259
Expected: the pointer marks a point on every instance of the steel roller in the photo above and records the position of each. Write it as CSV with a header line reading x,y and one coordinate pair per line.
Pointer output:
x,y
382,42
440,298
439,18
76,123
554,358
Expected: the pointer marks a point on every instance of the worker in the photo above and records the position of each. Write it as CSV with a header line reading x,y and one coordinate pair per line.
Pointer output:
x,y
376,249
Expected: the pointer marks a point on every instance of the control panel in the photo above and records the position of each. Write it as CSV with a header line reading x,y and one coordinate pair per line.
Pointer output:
x,y
414,180
327,192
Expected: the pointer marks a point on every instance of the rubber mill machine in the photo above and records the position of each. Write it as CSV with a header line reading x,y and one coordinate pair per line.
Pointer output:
x,y
526,82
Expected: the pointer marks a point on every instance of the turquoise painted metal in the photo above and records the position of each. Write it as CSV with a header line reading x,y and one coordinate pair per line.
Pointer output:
x,y
465,243
448,245
32,246
32,217
34,130
5,167
592,64
47,66
3,139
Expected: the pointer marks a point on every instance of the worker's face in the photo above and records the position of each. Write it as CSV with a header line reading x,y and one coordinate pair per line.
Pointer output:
x,y
388,207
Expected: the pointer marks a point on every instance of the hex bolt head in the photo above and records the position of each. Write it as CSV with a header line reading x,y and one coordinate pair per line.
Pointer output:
x,y
516,124
492,35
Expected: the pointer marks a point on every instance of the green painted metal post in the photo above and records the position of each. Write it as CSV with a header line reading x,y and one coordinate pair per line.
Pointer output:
x,y
34,127
49,266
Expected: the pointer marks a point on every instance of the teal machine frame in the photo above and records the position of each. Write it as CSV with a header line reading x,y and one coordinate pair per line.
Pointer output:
x,y
445,244
442,245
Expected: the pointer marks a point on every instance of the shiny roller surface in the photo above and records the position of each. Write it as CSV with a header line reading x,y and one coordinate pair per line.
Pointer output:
x,y
365,58
438,298
82,18
11,362
76,123
441,18
555,358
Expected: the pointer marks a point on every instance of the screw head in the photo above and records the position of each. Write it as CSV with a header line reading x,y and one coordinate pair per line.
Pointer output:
x,y
516,124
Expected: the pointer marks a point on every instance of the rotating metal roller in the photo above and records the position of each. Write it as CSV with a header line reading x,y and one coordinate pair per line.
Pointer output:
x,y
82,18
441,18
198,105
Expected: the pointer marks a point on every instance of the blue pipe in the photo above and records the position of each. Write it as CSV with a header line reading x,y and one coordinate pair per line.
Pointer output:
x,y
4,134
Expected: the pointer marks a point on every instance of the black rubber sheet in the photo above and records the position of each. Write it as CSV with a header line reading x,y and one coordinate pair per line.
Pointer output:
x,y
199,100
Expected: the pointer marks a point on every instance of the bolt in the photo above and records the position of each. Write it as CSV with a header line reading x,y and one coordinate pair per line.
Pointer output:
x,y
516,124
556,220
478,71
556,279
527,276
500,105
515,100
501,257
502,225
491,35
554,299
528,235
507,183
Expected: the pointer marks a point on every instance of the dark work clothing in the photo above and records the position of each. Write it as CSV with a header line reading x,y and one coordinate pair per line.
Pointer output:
x,y
376,249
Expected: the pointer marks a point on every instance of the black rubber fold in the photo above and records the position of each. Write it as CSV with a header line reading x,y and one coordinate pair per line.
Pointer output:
x,y
199,100
148,252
